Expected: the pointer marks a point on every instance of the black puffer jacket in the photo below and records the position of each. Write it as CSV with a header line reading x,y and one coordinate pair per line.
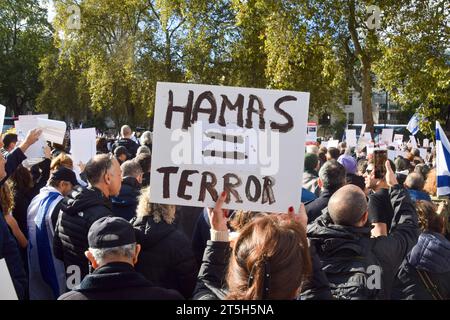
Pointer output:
x,y
425,273
79,210
166,257
347,252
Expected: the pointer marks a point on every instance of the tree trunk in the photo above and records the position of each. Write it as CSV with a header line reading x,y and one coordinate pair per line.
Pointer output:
x,y
367,98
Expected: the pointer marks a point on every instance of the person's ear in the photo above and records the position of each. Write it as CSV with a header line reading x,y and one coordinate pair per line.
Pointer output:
x,y
107,178
364,218
136,253
320,183
91,259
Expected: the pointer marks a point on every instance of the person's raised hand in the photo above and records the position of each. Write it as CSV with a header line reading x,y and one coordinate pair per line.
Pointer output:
x,y
391,179
218,217
299,217
32,137
47,152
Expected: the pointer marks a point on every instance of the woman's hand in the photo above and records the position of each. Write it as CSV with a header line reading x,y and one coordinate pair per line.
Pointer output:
x,y
218,217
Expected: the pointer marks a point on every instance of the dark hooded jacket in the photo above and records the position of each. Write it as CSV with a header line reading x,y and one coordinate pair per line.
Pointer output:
x,y
346,252
425,267
166,258
79,210
124,205
129,144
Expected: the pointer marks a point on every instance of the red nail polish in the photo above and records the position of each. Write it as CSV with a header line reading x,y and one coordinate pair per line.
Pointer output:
x,y
291,209
224,193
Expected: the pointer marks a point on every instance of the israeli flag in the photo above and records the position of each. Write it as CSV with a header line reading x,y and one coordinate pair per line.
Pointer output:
x,y
413,124
442,162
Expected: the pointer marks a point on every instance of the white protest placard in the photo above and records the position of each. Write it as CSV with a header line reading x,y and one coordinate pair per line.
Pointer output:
x,y
7,290
333,144
2,116
368,136
52,130
431,144
413,141
82,145
209,139
350,137
426,143
363,129
398,138
35,152
386,136
370,149
324,144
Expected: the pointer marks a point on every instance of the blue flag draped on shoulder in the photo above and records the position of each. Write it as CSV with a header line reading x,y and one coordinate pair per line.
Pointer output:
x,y
442,162
413,124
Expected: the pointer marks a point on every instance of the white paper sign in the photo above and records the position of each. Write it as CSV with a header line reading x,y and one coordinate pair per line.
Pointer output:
x,y
413,141
350,137
7,290
52,130
386,136
426,143
35,152
363,129
368,136
82,145
333,144
213,138
2,117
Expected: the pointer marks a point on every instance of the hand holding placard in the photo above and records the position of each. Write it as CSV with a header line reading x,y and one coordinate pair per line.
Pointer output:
x,y
31,138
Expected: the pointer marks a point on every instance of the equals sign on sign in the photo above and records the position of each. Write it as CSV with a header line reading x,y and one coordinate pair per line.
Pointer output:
x,y
237,140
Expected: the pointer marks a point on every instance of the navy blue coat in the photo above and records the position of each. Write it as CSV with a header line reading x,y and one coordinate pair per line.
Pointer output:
x,y
124,205
10,252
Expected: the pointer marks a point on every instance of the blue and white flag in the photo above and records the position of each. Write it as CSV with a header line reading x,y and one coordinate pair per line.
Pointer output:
x,y
413,124
442,162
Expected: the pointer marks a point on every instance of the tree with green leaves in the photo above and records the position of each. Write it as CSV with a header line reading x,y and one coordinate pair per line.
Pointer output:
x,y
25,39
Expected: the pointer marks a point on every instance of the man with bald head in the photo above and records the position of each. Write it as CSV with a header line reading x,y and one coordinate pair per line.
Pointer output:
x,y
126,141
358,266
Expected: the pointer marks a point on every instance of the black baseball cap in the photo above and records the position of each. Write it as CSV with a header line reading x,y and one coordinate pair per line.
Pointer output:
x,y
109,232
65,174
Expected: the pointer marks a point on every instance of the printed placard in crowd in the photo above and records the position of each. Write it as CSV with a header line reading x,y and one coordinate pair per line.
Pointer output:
x,y
368,136
35,152
413,141
333,144
7,291
82,145
350,137
386,136
32,117
2,116
248,142
311,135
423,153
52,130
426,143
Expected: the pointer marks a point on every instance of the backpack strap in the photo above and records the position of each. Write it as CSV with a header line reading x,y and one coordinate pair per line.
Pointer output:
x,y
429,285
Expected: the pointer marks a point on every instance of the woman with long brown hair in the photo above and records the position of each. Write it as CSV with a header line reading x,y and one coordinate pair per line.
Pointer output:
x,y
269,260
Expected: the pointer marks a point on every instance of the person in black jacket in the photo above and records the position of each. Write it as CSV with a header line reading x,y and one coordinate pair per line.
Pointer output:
x,y
113,252
125,141
357,266
425,273
124,204
10,251
331,178
82,207
166,258
270,260
145,161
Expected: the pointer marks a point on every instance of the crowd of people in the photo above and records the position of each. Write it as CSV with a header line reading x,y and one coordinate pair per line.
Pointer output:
x,y
97,235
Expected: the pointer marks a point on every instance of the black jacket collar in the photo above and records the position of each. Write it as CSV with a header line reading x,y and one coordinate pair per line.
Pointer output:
x,y
114,275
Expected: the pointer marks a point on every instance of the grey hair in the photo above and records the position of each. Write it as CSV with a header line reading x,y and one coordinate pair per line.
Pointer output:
x,y
146,138
143,149
100,255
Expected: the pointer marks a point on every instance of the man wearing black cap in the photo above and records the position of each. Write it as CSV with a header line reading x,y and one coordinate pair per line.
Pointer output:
x,y
113,252
46,274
